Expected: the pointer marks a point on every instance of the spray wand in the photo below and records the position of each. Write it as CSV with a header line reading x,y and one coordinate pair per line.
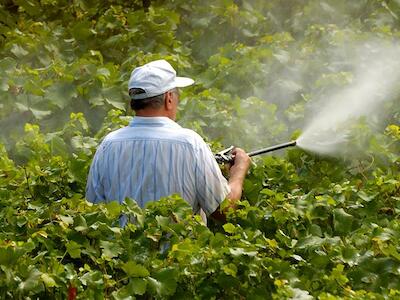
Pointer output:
x,y
225,156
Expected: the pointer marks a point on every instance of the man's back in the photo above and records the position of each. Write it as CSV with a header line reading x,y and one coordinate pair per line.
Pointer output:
x,y
152,158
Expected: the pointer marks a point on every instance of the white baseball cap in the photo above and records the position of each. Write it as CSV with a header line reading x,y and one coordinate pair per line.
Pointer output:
x,y
155,78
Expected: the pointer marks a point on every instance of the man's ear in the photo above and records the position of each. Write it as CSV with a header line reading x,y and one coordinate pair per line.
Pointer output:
x,y
168,101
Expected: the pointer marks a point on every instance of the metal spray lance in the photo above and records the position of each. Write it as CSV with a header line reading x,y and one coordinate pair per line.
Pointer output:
x,y
225,156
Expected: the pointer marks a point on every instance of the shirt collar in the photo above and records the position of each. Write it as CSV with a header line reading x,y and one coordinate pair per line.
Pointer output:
x,y
153,122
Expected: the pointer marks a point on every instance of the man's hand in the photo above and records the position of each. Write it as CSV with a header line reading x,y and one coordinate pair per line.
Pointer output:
x,y
241,163
237,173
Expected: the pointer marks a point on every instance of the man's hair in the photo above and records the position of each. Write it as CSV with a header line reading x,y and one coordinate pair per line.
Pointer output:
x,y
138,104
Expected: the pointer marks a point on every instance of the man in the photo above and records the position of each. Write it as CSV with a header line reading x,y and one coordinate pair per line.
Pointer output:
x,y
155,157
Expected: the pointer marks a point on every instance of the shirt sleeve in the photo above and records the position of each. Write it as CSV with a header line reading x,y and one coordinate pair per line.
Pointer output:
x,y
94,186
211,186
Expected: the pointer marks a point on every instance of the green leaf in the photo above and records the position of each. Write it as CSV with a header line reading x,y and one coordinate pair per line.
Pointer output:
x,y
57,145
31,7
73,249
133,269
342,221
163,221
32,281
18,51
9,255
81,30
230,269
241,251
103,74
110,249
61,94
80,223
48,280
124,293
364,196
93,279
114,209
138,286
97,54
117,104
229,228
40,114
164,282
299,294
8,63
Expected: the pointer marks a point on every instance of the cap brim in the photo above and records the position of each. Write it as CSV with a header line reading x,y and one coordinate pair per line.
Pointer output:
x,y
183,81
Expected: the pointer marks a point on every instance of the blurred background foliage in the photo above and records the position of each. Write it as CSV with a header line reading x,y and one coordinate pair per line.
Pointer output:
x,y
258,66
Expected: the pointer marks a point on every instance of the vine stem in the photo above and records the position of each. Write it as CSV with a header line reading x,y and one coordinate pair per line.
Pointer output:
x,y
360,170
27,182
62,258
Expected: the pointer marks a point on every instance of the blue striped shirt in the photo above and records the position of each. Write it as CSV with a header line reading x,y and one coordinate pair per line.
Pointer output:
x,y
155,157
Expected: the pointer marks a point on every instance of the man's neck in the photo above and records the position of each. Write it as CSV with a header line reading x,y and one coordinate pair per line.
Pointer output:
x,y
152,113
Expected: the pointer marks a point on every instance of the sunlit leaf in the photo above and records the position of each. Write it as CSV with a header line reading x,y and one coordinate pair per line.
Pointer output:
x,y
135,270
